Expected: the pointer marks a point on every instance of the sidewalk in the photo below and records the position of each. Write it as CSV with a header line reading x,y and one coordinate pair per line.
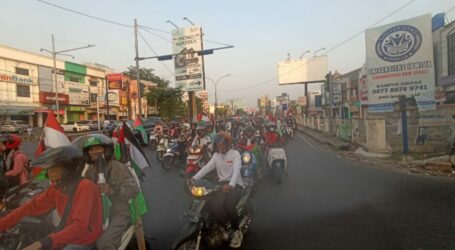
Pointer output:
x,y
328,140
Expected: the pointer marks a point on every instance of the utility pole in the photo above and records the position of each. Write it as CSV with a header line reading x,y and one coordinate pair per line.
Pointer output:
x,y
139,94
54,58
215,84
329,81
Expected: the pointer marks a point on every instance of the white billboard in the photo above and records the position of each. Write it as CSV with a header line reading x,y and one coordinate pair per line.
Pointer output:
x,y
188,64
399,60
303,70
78,93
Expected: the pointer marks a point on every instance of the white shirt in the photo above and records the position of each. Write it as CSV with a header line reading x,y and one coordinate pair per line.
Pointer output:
x,y
201,141
227,166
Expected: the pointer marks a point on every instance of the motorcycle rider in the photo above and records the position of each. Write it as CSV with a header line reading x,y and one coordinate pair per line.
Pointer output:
x,y
248,140
203,140
236,130
120,185
227,163
158,130
16,161
210,131
272,137
81,221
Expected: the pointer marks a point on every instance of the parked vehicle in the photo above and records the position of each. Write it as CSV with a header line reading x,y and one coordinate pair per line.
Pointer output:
x,y
75,127
92,124
203,231
14,126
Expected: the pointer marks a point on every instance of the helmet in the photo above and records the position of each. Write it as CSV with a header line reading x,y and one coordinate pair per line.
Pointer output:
x,y
200,126
249,131
223,137
88,141
69,156
271,127
10,141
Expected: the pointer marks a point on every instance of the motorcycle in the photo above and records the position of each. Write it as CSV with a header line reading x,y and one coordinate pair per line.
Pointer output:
x,y
195,160
289,132
249,165
153,140
162,147
203,230
174,155
277,163
17,195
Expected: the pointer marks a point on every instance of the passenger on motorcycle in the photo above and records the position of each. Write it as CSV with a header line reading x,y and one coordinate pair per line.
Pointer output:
x,y
158,129
236,130
15,160
272,137
203,140
248,140
120,185
77,201
228,164
210,131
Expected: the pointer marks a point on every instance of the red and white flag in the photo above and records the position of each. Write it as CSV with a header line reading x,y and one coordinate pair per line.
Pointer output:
x,y
53,136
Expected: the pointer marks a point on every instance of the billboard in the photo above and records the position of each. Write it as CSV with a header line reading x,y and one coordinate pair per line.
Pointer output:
x,y
186,42
363,87
399,60
78,93
115,81
303,70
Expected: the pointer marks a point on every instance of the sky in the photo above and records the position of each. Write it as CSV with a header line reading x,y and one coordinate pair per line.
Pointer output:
x,y
262,32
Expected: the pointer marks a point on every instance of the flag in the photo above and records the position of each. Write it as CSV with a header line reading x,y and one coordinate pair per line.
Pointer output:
x,y
53,136
137,206
137,156
139,127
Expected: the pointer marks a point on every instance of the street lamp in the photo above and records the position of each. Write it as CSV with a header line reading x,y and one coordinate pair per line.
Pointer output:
x,y
54,58
215,83
306,52
321,49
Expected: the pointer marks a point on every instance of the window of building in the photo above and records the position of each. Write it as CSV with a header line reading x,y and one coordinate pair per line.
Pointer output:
x,y
23,91
74,79
451,53
93,83
93,97
22,71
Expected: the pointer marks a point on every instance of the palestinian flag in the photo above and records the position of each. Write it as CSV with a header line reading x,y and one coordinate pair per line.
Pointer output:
x,y
137,156
53,136
139,127
138,205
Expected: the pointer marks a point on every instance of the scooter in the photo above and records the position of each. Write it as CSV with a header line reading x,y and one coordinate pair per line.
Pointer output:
x,y
194,160
277,163
162,147
289,132
174,155
153,140
203,231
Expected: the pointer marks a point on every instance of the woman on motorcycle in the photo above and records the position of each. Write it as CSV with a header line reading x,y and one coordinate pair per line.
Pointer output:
x,y
272,137
16,161
119,185
77,201
227,163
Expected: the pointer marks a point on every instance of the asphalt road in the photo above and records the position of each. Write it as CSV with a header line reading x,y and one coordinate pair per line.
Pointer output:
x,y
325,203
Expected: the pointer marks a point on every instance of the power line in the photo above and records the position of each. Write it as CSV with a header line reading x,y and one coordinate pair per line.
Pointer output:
x,y
86,15
330,50
156,35
156,54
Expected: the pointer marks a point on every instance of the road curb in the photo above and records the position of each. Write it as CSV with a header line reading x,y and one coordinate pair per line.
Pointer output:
x,y
332,142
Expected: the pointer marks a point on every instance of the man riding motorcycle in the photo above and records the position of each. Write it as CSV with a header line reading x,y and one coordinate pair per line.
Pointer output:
x,y
227,163
119,185
77,201
202,140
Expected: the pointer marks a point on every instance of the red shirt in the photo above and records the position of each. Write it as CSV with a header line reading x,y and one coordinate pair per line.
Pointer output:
x,y
18,169
84,222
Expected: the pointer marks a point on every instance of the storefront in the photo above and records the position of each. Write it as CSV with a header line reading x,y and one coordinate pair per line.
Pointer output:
x,y
76,113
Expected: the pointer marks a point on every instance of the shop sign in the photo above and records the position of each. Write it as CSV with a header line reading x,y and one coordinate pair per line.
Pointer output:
x,y
78,109
49,98
115,81
15,78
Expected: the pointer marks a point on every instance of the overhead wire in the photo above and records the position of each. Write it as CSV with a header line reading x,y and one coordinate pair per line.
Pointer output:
x,y
156,54
328,51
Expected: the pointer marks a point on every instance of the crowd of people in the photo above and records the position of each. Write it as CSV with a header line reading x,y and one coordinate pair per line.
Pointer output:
x,y
83,173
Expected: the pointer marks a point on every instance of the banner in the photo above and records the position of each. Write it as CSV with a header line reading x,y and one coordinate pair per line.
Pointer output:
x,y
363,86
399,59
187,42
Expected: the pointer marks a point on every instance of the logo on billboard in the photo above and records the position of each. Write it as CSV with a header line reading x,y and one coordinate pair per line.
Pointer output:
x,y
398,43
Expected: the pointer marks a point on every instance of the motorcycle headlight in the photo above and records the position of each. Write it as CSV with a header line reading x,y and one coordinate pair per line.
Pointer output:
x,y
198,191
246,158
168,150
162,141
197,151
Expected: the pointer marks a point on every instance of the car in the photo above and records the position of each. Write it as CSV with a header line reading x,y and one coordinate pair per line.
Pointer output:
x,y
92,124
75,126
149,124
14,126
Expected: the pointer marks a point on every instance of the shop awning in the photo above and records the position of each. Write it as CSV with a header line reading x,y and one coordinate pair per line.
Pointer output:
x,y
24,110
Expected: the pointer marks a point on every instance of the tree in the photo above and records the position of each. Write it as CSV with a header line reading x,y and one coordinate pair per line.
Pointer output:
x,y
169,101
146,74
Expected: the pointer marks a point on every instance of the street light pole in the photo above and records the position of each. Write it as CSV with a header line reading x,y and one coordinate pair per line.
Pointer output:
x,y
215,83
54,58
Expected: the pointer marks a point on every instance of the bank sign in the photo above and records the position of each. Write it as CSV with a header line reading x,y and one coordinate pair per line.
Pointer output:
x,y
399,60
188,64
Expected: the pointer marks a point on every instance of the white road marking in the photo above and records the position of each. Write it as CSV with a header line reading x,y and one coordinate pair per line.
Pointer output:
x,y
305,140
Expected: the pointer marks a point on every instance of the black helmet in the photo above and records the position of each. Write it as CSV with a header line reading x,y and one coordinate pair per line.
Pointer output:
x,y
69,156
249,130
87,141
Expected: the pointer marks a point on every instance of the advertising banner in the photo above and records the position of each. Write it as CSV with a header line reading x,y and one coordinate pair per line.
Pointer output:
x,y
303,70
78,93
188,64
363,86
115,81
49,98
113,96
399,59
336,87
